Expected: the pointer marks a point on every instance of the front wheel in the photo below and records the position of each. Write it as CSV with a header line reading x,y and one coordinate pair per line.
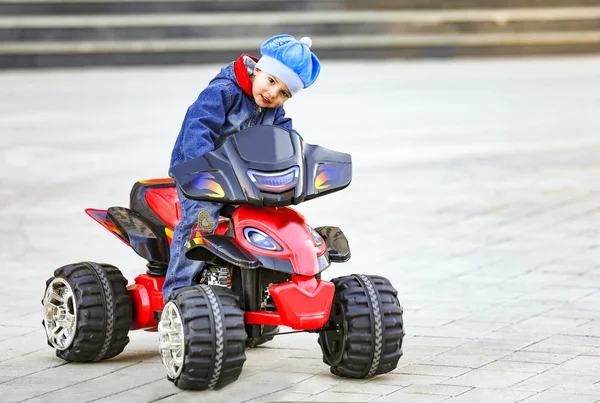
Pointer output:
x,y
202,337
363,336
87,312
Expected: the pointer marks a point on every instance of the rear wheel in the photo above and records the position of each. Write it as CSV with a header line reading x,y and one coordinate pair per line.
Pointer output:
x,y
87,312
363,336
202,337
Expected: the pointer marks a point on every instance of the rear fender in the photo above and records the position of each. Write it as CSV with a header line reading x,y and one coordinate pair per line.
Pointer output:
x,y
135,232
100,217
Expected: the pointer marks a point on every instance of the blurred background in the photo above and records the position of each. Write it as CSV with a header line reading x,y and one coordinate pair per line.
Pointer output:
x,y
40,33
474,132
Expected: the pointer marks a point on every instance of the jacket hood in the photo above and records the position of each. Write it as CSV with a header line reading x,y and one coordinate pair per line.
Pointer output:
x,y
239,72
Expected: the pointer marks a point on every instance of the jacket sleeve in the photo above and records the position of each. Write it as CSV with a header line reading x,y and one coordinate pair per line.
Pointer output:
x,y
204,120
282,121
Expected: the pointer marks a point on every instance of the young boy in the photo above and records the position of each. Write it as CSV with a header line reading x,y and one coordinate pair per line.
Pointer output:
x,y
246,92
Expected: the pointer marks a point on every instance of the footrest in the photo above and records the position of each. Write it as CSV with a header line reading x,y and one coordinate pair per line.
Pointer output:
x,y
337,243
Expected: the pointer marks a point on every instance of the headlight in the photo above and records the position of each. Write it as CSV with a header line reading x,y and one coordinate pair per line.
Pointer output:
x,y
275,181
317,238
260,239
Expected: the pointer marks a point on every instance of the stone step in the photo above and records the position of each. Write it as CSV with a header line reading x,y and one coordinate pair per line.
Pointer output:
x,y
222,50
81,7
377,23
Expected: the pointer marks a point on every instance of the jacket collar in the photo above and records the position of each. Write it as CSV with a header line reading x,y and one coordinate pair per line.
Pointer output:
x,y
240,67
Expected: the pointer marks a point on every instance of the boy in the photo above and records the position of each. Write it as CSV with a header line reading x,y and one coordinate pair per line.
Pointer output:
x,y
246,92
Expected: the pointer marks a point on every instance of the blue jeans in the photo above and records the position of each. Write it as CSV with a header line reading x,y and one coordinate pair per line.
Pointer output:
x,y
182,271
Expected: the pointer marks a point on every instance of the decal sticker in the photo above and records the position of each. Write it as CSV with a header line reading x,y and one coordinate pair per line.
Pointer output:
x,y
205,224
325,176
195,242
207,183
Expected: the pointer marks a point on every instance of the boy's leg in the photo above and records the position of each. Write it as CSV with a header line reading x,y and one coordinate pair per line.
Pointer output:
x,y
181,270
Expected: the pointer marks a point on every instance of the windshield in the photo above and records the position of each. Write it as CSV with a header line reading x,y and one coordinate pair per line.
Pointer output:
x,y
264,166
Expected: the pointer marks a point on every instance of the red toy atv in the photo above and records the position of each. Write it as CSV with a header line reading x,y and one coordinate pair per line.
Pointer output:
x,y
263,270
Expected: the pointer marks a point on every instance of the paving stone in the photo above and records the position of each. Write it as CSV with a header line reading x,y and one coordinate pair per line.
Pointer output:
x,y
507,314
303,365
436,370
429,318
401,396
595,352
284,396
458,359
329,396
466,329
479,395
558,293
571,340
518,366
22,345
145,392
486,344
548,380
593,389
11,332
591,328
435,341
550,397
582,365
483,378
546,346
408,379
316,384
227,394
89,385
536,357
364,387
17,393
442,390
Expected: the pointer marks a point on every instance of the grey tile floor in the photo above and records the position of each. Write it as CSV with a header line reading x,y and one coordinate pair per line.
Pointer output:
x,y
475,191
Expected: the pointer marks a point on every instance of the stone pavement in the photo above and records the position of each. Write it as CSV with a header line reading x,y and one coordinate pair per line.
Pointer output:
x,y
475,191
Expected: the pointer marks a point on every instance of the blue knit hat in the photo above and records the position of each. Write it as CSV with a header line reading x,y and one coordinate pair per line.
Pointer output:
x,y
290,60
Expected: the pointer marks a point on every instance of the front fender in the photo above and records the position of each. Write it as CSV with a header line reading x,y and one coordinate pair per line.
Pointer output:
x,y
298,253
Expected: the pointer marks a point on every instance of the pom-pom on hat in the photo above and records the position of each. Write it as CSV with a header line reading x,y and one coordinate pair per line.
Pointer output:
x,y
290,60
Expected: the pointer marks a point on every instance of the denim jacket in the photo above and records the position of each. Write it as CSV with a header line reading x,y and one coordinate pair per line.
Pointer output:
x,y
222,108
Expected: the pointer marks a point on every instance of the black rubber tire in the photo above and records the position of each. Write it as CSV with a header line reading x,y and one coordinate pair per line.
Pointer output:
x,y
104,311
368,319
215,337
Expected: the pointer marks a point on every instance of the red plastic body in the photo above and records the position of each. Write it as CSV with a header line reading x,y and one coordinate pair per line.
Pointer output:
x,y
146,297
165,203
288,228
302,304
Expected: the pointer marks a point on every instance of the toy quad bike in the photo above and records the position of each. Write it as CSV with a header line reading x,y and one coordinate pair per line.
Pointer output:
x,y
263,270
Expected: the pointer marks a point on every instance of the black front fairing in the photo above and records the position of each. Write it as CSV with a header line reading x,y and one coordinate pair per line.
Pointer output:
x,y
264,166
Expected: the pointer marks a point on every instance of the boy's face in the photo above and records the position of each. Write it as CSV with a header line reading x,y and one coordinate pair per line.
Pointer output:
x,y
268,90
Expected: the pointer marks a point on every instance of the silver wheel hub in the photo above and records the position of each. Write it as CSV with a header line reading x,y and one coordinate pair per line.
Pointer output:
x,y
171,340
60,318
